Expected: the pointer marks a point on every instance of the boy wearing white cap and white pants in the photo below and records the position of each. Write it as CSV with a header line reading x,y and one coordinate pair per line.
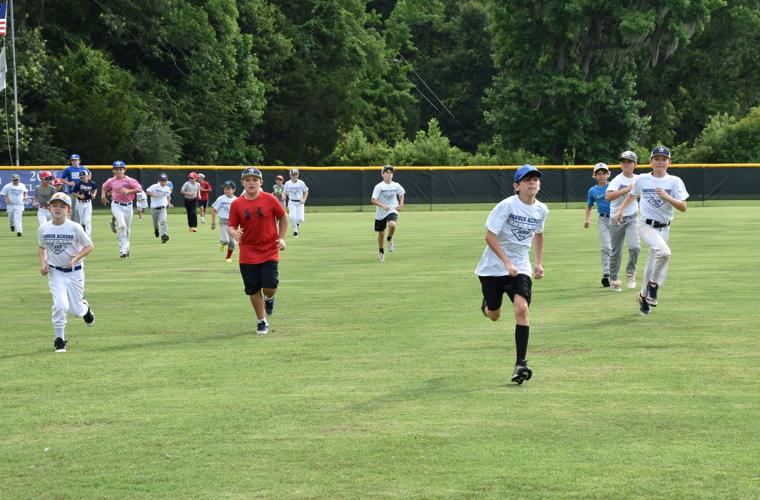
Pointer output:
x,y
297,193
15,198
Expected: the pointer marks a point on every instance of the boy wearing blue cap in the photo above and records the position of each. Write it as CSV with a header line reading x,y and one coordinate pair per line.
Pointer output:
x,y
660,193
596,194
511,228
70,177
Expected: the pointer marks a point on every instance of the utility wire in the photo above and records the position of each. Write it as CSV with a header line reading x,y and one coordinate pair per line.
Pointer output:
x,y
429,89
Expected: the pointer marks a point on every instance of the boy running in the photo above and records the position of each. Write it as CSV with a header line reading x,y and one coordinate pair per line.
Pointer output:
x,y
628,229
297,193
596,195
122,190
222,207
15,198
84,191
160,200
42,194
505,267
388,197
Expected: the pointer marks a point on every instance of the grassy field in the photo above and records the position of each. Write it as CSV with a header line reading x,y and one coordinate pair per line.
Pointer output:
x,y
384,380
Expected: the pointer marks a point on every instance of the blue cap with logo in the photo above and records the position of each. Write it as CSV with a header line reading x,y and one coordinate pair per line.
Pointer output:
x,y
74,157
84,172
119,164
660,151
251,171
525,170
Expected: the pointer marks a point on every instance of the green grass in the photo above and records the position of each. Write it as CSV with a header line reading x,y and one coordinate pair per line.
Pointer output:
x,y
384,380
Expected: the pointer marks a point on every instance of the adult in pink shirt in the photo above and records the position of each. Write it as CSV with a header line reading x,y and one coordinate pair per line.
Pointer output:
x,y
122,190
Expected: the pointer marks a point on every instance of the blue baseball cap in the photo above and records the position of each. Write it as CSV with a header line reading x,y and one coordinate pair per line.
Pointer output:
x,y
660,151
74,157
525,170
119,164
84,172
251,171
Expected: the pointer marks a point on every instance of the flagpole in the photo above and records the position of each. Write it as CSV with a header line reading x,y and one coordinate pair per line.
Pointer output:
x,y
15,86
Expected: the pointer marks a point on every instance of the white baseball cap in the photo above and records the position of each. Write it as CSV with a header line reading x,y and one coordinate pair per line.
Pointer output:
x,y
600,166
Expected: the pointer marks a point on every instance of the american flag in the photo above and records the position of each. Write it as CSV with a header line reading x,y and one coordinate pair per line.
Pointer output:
x,y
3,6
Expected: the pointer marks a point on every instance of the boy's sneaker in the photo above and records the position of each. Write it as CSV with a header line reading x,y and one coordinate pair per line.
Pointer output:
x,y
616,286
193,229
19,234
89,317
123,256
13,229
203,220
113,225
59,345
262,328
269,306
643,305
228,259
521,373
381,256
164,238
391,245
155,231
631,281
606,280
483,307
295,234
652,294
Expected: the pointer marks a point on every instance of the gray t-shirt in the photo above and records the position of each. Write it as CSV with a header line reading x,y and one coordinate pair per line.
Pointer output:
x,y
194,189
44,194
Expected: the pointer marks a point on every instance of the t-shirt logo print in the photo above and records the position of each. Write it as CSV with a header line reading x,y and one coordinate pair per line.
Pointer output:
x,y
656,201
260,212
247,214
58,247
522,227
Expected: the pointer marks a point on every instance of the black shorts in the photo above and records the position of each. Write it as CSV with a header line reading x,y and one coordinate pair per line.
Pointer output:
x,y
494,288
381,224
202,203
258,276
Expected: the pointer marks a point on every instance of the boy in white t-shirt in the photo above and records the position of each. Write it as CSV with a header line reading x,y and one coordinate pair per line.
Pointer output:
x,y
160,200
222,207
15,198
511,228
63,244
660,194
141,203
628,228
388,197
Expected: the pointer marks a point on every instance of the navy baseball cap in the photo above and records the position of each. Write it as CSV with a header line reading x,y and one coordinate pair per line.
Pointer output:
x,y
525,170
229,184
163,177
83,173
660,151
119,164
251,171
74,157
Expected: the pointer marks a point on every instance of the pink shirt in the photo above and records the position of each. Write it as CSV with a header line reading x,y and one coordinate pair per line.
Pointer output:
x,y
116,185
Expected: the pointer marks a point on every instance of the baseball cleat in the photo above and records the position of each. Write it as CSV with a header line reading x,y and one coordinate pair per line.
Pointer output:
x,y
631,281
521,373
13,229
616,286
269,306
19,234
155,231
262,328
295,234
89,317
391,245
652,294
164,238
606,280
483,307
59,345
113,225
643,305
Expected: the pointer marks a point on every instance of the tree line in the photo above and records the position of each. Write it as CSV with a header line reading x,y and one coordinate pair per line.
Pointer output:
x,y
415,82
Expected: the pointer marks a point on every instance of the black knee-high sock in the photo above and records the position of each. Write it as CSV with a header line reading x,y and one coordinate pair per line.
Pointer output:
x,y
522,332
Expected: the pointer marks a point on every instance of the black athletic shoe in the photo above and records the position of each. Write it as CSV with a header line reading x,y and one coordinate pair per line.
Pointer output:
x,y
652,294
89,317
269,306
606,281
262,328
19,234
155,231
643,305
164,238
483,307
13,229
123,256
59,345
521,373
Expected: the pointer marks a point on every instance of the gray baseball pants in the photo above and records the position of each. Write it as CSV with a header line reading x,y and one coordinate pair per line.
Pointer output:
x,y
604,239
627,230
159,217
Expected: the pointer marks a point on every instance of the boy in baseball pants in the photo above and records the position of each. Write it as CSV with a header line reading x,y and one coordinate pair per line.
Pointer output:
x,y
628,229
297,193
160,200
388,197
42,194
15,198
122,190
222,207
660,194
63,244
85,190
511,228
596,195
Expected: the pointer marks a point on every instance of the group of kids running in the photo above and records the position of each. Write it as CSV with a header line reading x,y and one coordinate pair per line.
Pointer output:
x,y
256,222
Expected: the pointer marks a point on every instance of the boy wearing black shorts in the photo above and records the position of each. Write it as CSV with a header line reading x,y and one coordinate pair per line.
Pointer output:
x,y
511,228
258,223
388,197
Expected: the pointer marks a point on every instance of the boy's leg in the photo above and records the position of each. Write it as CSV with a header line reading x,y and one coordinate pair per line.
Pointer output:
x,y
659,253
18,216
634,248
617,236
604,239
74,282
60,301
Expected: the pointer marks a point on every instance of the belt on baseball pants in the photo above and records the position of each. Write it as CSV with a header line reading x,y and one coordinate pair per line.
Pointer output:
x,y
84,201
67,269
157,208
296,201
656,224
604,215
123,204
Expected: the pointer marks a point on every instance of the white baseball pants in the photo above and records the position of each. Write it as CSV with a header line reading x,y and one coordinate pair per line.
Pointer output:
x,y
84,209
224,236
296,213
68,290
123,214
43,215
15,217
659,254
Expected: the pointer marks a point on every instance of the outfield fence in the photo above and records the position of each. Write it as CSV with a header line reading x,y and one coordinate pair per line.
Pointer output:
x,y
352,186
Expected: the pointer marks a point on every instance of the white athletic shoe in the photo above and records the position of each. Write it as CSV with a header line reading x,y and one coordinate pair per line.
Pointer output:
x,y
381,256
631,281
391,245
616,286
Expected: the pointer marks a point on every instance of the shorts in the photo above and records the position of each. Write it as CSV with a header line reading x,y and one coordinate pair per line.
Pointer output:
x,y
494,288
381,224
202,203
258,276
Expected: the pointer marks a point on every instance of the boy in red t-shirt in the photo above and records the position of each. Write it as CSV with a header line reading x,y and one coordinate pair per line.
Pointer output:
x,y
258,223
206,188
